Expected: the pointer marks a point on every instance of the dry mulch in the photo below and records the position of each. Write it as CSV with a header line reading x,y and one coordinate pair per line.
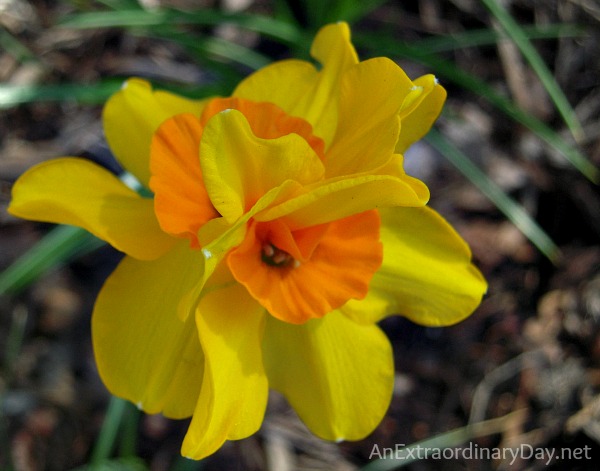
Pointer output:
x,y
532,346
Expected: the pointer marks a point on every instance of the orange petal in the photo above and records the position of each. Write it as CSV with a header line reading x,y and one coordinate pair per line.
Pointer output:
x,y
181,202
340,268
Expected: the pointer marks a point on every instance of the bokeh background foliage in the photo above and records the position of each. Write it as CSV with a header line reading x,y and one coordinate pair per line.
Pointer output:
x,y
513,163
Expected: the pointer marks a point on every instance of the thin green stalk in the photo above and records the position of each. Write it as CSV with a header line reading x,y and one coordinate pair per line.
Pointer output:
x,y
513,211
518,36
122,4
129,431
226,50
60,244
12,95
280,30
109,431
15,47
185,464
487,37
14,342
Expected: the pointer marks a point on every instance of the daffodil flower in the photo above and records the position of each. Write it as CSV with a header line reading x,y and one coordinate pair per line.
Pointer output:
x,y
282,229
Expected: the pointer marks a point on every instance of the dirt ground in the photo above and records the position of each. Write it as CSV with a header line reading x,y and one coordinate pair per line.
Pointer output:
x,y
533,346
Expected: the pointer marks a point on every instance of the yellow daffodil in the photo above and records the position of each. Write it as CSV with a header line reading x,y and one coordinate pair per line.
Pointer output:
x,y
281,230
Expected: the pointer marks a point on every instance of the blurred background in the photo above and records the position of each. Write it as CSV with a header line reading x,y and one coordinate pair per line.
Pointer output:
x,y
512,164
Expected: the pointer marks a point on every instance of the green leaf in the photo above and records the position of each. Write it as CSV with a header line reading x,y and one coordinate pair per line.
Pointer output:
x,y
185,464
216,47
61,244
514,31
513,211
96,93
320,12
120,418
92,94
122,464
16,48
280,30
486,37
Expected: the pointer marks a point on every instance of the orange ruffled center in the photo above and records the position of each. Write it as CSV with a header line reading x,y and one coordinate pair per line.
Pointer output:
x,y
295,274
303,274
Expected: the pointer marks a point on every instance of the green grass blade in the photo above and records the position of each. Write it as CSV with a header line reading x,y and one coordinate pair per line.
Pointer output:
x,y
277,29
487,37
351,10
122,4
12,95
320,12
544,132
120,464
452,439
117,19
220,55
14,341
60,244
227,50
518,36
513,211
15,48
185,464
129,431
91,94
283,12
109,430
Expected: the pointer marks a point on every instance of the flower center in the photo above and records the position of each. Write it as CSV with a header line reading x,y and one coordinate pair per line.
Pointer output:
x,y
307,273
275,257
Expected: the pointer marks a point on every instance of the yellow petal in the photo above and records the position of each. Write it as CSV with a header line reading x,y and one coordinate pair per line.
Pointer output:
x,y
133,114
144,352
338,198
333,49
234,390
372,93
78,192
336,374
419,116
426,275
300,90
239,168
285,83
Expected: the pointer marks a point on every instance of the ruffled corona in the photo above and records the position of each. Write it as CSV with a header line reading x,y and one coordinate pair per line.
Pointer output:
x,y
308,273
